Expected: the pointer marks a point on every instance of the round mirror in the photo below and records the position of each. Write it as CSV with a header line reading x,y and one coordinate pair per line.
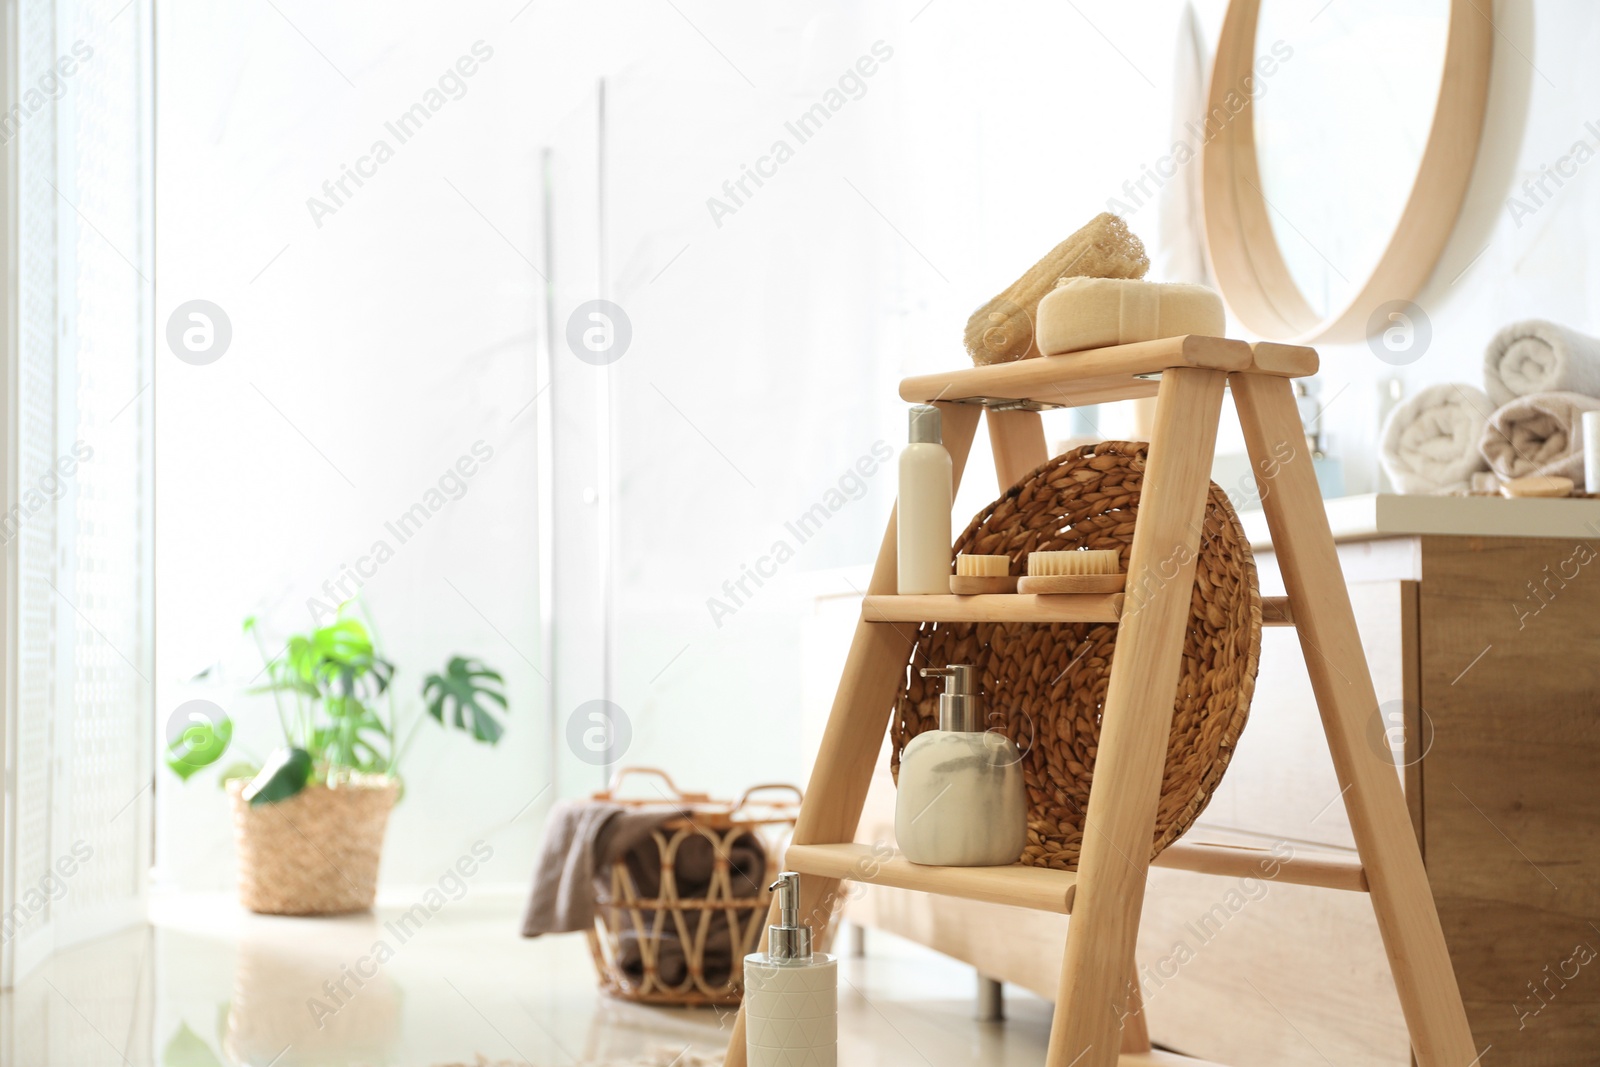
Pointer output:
x,y
1342,144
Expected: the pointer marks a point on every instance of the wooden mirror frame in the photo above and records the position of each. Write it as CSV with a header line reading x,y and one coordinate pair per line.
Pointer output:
x,y
1245,258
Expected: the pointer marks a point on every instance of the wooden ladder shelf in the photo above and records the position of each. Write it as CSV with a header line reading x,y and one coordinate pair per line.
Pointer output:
x,y
1098,1017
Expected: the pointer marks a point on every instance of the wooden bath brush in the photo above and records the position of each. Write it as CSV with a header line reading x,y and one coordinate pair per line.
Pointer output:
x,y
1079,571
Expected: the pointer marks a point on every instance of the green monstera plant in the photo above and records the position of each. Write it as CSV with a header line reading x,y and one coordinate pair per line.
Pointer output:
x,y
335,700
465,685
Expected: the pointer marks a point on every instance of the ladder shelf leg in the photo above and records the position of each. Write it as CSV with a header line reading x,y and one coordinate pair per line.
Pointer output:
x,y
1379,820
1135,1027
1093,1001
1017,440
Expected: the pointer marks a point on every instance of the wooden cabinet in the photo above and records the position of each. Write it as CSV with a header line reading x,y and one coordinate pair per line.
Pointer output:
x,y
1509,658
1485,653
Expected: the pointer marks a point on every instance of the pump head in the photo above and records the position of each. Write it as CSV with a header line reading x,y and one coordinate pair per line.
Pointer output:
x,y
787,939
958,704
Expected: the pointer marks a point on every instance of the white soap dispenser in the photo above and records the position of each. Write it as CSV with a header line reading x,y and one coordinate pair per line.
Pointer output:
x,y
791,994
961,801
922,512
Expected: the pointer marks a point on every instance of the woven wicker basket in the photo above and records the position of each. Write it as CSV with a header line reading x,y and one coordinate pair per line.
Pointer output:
x,y
631,925
1045,684
315,853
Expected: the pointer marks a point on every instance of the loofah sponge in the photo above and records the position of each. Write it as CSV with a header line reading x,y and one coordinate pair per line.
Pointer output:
x,y
1002,330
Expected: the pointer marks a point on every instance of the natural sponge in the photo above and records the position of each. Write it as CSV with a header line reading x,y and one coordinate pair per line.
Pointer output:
x,y
1002,330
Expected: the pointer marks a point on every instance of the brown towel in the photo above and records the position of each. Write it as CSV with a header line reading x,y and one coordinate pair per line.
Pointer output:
x,y
580,838
1541,434
693,866
672,962
584,839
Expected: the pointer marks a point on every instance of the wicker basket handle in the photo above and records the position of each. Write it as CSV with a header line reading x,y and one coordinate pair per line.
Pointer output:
x,y
677,795
744,800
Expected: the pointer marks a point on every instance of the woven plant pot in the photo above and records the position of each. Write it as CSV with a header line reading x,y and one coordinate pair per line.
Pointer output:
x,y
317,852
1044,685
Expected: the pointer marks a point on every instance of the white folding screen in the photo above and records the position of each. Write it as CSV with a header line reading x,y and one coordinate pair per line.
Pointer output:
x,y
78,644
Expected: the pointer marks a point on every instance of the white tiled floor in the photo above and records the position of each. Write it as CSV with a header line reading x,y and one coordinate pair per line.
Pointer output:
x,y
208,985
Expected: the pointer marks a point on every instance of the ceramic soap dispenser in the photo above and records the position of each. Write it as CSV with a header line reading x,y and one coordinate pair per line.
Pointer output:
x,y
791,994
960,801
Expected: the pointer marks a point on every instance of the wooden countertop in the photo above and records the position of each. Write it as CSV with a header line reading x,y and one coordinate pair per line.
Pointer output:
x,y
1379,515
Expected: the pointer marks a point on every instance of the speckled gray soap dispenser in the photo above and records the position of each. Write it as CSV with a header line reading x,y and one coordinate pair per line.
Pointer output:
x,y
960,801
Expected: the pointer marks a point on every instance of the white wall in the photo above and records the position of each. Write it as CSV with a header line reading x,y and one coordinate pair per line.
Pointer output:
x,y
765,349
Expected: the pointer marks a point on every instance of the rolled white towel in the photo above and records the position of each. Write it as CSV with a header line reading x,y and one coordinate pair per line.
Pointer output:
x,y
1539,435
1430,443
1540,357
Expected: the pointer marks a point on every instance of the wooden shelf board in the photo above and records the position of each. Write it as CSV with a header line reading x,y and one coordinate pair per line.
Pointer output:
x,y
1304,866
1043,889
1024,887
1102,375
994,607
1284,361
1026,607
1076,378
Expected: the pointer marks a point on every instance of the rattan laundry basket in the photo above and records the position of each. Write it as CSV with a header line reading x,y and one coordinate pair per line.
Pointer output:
x,y
315,853
1044,685
638,911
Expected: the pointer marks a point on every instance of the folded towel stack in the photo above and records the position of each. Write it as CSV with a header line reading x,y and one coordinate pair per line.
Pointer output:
x,y
1538,436
1542,378
1533,357
1539,378
1430,443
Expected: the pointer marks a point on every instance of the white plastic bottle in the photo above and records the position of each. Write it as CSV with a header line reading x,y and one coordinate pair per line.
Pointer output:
x,y
791,995
922,515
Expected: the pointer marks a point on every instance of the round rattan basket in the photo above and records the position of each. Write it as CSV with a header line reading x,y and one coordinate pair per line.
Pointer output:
x,y
315,853
1044,685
